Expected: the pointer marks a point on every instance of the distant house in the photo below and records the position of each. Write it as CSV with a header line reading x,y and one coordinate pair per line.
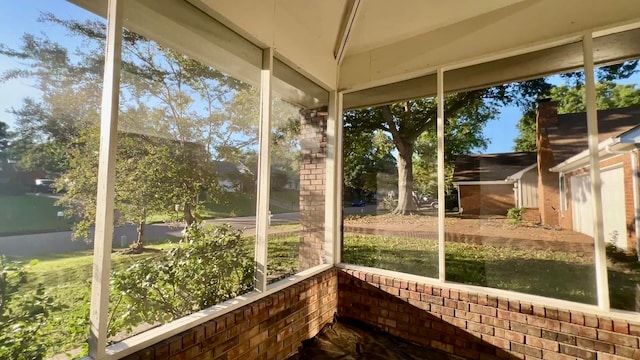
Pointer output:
x,y
565,184
555,181
490,184
231,175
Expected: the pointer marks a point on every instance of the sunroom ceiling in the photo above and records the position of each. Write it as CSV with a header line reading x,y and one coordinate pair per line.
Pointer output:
x,y
381,22
390,41
356,45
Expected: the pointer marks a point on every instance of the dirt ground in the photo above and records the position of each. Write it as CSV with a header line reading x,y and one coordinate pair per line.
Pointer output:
x,y
486,226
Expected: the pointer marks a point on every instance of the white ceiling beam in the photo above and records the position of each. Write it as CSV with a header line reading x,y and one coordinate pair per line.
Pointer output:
x,y
608,49
518,26
347,23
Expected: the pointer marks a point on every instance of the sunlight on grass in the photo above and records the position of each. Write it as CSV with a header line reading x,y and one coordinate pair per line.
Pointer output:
x,y
556,274
28,214
67,278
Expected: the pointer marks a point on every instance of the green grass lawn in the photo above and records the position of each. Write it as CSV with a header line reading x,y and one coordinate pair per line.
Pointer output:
x,y
240,204
25,214
556,274
67,278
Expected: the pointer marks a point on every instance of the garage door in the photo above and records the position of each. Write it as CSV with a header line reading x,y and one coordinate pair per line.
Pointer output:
x,y
614,219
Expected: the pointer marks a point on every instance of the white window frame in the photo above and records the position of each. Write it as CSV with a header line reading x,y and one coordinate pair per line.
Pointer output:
x,y
104,223
98,350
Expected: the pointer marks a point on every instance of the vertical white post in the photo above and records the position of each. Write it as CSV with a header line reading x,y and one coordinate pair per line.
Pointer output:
x,y
602,283
333,189
441,198
264,171
636,197
98,315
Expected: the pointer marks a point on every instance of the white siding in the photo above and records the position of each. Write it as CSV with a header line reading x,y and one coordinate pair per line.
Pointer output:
x,y
529,188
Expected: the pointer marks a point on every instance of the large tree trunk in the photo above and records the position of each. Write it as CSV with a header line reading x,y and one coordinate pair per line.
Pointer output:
x,y
141,225
188,216
406,204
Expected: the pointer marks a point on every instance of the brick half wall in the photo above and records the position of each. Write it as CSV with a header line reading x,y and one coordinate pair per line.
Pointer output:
x,y
478,326
270,328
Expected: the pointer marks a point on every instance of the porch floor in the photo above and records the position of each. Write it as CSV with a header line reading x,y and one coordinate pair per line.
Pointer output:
x,y
347,338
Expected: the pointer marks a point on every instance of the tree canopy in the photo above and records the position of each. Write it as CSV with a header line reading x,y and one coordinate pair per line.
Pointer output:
x,y
609,95
177,115
411,125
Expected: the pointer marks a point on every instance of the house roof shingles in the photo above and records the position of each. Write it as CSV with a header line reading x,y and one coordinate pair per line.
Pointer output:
x,y
570,136
491,167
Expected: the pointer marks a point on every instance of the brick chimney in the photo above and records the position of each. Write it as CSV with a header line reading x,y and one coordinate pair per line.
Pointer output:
x,y
548,182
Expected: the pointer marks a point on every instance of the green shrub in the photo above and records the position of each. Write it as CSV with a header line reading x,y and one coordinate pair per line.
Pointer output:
x,y
515,215
22,314
209,266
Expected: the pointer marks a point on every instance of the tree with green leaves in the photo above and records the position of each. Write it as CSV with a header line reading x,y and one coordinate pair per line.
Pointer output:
x,y
22,315
179,106
463,134
609,95
406,122
153,176
368,163
4,143
212,265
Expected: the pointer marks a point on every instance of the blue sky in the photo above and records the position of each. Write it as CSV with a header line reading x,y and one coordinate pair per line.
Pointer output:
x,y
18,17
503,130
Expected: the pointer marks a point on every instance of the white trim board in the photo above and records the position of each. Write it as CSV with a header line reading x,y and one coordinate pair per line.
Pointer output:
x,y
485,182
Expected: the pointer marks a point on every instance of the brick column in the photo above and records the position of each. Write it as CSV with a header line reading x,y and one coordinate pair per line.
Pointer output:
x,y
548,182
313,143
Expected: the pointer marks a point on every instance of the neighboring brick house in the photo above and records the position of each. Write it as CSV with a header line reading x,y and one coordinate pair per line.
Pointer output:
x,y
490,184
564,185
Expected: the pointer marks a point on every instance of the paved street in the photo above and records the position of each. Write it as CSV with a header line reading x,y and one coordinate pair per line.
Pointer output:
x,y
61,242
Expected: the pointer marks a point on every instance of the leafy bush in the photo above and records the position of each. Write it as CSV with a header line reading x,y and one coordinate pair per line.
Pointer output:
x,y
22,315
210,265
389,204
515,215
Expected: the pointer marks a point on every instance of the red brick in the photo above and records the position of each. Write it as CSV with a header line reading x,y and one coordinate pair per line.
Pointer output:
x,y
605,324
607,356
552,355
541,343
591,320
526,308
577,318
496,341
577,352
510,335
564,315
552,313
620,339
569,328
539,310
467,353
484,329
595,345
620,327
527,350
627,352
